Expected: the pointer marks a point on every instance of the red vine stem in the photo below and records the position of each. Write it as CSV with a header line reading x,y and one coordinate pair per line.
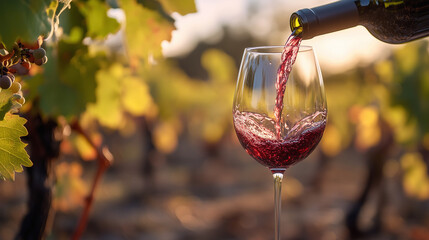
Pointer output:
x,y
105,159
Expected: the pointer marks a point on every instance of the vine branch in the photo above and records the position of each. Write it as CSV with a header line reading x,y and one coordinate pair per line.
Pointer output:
x,y
104,159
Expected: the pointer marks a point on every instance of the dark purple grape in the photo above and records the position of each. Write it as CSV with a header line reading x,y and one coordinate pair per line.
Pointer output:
x,y
5,82
21,68
11,76
41,61
39,53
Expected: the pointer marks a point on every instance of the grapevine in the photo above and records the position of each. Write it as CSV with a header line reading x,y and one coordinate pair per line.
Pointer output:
x,y
18,62
68,90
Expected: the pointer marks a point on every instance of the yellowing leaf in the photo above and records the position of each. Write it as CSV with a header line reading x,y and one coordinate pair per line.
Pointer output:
x,y
119,92
416,180
86,151
107,108
205,103
144,31
12,149
405,129
368,117
165,137
331,143
221,67
183,6
368,132
136,97
98,23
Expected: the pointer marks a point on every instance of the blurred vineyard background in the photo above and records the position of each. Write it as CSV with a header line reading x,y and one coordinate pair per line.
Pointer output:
x,y
163,106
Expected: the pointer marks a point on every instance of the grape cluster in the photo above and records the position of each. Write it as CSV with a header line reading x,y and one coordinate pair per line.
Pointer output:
x,y
7,81
18,62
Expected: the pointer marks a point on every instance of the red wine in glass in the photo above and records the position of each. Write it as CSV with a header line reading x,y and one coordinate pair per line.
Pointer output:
x,y
256,134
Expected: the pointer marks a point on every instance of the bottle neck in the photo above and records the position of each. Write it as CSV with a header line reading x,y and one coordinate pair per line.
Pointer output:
x,y
325,19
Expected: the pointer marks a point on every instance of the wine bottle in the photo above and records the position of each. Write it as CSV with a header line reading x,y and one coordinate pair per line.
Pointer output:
x,y
391,21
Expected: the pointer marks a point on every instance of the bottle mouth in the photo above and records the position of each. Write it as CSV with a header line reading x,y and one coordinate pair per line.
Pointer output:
x,y
296,24
331,17
300,22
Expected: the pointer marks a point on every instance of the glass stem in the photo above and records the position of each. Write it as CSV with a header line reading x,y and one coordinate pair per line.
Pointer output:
x,y
278,178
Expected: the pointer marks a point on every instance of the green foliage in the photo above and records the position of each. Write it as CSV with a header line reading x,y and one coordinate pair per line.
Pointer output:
x,y
222,72
119,93
397,86
73,24
395,90
166,7
108,107
30,20
206,105
89,79
67,83
98,23
411,85
145,33
219,65
5,103
155,5
416,179
12,149
183,7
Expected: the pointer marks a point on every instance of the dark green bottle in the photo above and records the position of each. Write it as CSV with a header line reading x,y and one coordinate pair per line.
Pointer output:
x,y
391,21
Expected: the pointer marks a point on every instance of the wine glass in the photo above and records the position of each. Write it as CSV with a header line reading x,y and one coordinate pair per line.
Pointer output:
x,y
302,119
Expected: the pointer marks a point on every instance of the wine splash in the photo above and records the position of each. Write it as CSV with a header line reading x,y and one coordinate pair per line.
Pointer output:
x,y
288,58
256,133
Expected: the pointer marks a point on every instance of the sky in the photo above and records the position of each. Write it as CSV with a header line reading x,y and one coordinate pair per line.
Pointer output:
x,y
336,52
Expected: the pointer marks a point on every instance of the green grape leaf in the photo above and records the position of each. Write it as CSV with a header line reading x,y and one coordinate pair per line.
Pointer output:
x,y
68,80
107,108
119,92
145,33
183,7
164,7
71,24
5,103
155,5
411,88
134,90
59,99
12,149
29,19
98,23
415,177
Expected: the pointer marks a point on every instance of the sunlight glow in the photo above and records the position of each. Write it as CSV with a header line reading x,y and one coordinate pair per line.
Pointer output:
x,y
267,20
